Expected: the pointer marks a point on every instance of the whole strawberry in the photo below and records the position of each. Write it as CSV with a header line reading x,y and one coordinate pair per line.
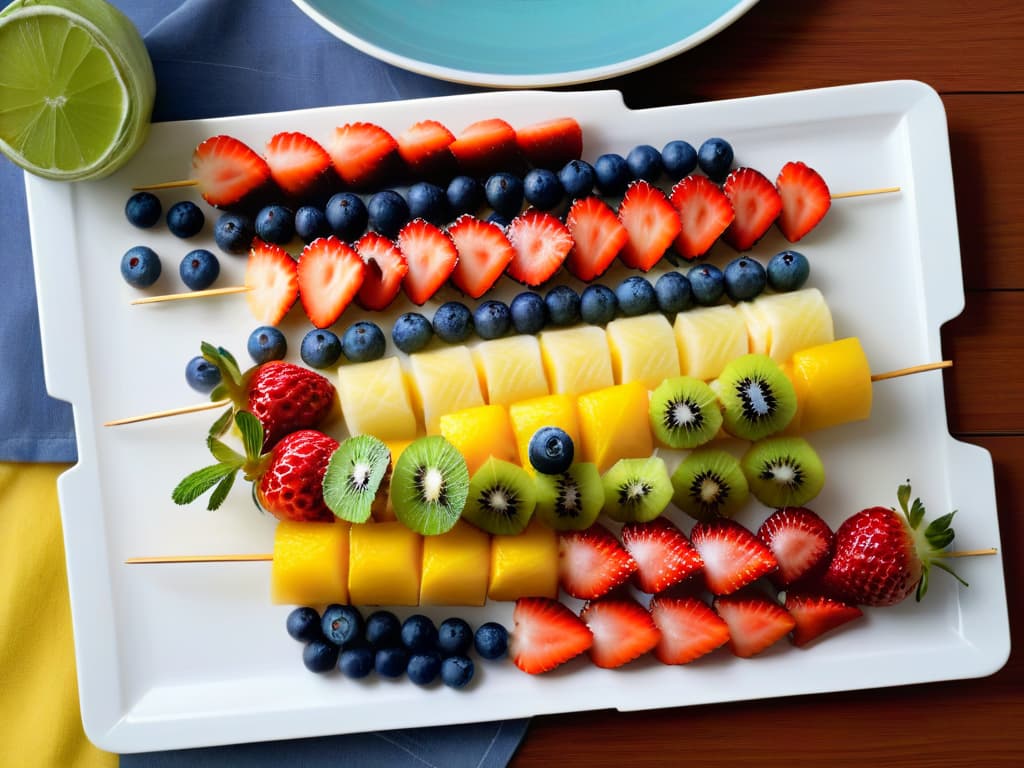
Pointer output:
x,y
880,556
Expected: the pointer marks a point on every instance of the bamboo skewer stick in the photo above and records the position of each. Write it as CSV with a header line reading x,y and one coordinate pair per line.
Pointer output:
x,y
167,185
194,294
911,370
865,192
170,412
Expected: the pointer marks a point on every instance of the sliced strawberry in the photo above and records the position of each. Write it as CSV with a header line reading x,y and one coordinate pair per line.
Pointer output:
x,y
364,154
623,630
541,243
651,222
591,563
597,236
385,270
271,276
228,171
485,147
297,163
800,541
552,143
546,634
484,253
663,554
805,200
431,257
704,212
732,556
330,275
755,622
689,629
814,616
424,147
756,205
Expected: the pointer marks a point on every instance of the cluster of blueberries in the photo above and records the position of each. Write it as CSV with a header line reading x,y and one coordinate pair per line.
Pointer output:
x,y
416,647
140,265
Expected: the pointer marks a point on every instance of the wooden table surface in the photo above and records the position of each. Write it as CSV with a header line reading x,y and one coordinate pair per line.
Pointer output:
x,y
973,55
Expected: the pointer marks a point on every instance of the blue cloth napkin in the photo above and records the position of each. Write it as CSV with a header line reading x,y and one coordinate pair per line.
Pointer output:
x,y
214,58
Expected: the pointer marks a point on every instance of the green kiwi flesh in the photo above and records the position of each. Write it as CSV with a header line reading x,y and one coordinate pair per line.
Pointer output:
x,y
502,497
357,478
757,398
429,485
684,412
572,500
709,483
636,490
783,471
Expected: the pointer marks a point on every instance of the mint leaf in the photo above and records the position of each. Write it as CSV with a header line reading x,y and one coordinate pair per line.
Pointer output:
x,y
220,426
199,482
221,492
223,453
252,433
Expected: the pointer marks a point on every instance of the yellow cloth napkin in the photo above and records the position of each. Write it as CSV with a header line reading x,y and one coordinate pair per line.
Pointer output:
x,y
40,723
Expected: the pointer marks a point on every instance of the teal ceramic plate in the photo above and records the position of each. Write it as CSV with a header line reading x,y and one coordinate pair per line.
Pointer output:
x,y
523,43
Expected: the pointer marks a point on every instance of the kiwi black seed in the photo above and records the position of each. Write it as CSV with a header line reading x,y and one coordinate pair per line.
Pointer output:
x,y
502,497
636,490
429,485
757,398
709,483
572,500
357,478
684,412
783,471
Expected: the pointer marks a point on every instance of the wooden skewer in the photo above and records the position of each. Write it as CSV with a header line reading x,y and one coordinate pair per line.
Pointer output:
x,y
170,412
167,185
971,553
194,294
865,192
912,369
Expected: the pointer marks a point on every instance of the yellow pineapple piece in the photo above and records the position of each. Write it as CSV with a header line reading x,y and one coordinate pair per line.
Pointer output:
x,y
707,339
524,565
444,381
310,563
832,383
614,424
576,360
385,562
375,400
479,433
530,415
510,369
456,567
643,349
780,324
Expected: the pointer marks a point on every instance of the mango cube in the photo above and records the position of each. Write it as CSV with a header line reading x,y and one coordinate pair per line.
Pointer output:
x,y
614,424
643,349
707,339
479,433
780,324
385,564
524,565
510,369
444,381
576,360
551,411
456,567
310,563
375,400
832,383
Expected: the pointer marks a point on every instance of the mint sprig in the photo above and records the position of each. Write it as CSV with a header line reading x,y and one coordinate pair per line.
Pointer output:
x,y
221,476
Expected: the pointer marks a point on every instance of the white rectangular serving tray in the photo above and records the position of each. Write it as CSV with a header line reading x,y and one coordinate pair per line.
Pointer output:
x,y
193,655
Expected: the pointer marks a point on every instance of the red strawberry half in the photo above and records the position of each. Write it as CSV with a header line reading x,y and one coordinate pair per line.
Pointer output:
x,y
485,147
330,275
298,165
424,148
552,143
756,205
385,270
546,634
591,563
623,630
228,171
663,554
800,541
271,276
755,622
484,253
597,236
815,615
704,213
291,487
689,629
364,154
805,200
541,243
732,556
651,222
431,257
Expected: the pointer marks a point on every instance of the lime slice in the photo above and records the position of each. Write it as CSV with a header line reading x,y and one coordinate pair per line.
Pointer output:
x,y
76,88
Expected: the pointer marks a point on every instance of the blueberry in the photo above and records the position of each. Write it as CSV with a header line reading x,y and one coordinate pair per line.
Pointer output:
x,y
140,266
529,313
311,223
199,269
457,671
744,279
320,348
598,305
542,189
550,450
320,656
424,667
788,271
347,216
563,304
341,624
185,219
388,212
383,629
715,158
577,178
275,224
644,162
234,233
707,284
491,640
266,343
501,221
492,319
673,293
304,624
504,192
363,341
428,201
454,636
411,332
143,209
636,296
465,195
391,662
356,663
202,375
679,159
419,633
453,322
611,174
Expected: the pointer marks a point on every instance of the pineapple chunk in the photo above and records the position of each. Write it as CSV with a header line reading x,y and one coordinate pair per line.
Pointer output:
x,y
310,563
709,338
385,562
576,360
614,424
479,433
510,369
550,411
643,349
832,383
456,567
375,400
524,565
780,324
444,381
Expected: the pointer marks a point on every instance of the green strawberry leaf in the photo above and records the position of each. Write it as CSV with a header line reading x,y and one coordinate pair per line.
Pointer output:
x,y
950,571
252,433
220,493
922,586
903,494
224,453
916,513
200,481
220,426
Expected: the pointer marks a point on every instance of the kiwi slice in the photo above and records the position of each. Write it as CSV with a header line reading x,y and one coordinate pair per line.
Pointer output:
x,y
572,500
783,471
684,412
709,483
357,478
636,490
502,497
757,397
429,485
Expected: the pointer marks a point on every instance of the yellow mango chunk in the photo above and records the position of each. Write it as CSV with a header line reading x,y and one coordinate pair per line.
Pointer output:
x,y
375,400
510,369
524,565
385,564
456,567
614,424
576,360
479,433
530,415
444,381
707,339
310,563
832,383
643,349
